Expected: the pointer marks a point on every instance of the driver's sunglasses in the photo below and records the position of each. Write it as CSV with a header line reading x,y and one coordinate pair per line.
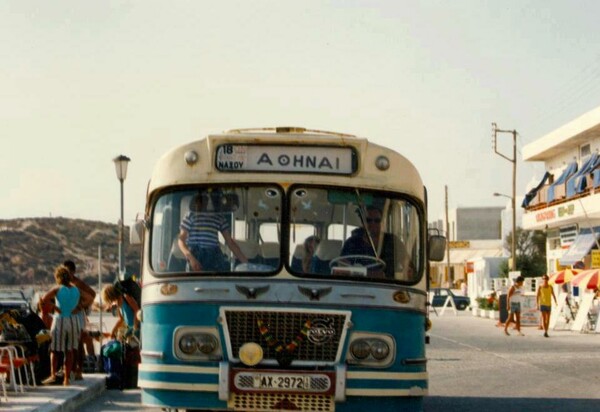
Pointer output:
x,y
375,220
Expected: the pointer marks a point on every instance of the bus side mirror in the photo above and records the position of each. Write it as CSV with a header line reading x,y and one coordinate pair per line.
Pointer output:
x,y
136,233
437,248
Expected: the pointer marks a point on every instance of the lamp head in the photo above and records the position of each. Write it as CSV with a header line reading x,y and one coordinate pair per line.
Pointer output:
x,y
121,162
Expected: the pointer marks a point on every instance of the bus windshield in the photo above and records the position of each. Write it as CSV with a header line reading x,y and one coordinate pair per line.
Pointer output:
x,y
307,231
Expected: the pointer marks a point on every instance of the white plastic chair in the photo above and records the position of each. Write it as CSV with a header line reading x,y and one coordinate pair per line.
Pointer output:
x,y
8,356
28,365
4,371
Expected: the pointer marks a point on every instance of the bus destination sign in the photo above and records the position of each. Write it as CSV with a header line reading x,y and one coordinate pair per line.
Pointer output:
x,y
285,159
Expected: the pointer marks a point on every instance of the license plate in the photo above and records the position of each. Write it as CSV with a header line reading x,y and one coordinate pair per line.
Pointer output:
x,y
271,381
277,381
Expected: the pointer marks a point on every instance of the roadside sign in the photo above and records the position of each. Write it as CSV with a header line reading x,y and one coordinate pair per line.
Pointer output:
x,y
595,259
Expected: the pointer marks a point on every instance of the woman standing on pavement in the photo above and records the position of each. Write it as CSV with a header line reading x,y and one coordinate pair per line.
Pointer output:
x,y
64,300
513,305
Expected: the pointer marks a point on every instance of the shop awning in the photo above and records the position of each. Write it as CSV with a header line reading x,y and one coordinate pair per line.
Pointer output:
x,y
569,171
579,248
531,194
577,183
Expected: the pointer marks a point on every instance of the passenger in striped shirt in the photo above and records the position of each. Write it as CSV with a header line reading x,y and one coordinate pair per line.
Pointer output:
x,y
199,238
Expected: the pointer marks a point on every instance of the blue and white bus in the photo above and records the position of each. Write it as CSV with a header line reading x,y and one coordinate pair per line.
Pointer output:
x,y
339,329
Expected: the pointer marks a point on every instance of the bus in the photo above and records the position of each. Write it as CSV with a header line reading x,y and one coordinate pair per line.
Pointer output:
x,y
275,324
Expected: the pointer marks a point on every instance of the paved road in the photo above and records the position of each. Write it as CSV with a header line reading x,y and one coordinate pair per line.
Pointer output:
x,y
473,366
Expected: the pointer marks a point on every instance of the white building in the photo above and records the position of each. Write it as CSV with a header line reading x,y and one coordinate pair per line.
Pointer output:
x,y
566,202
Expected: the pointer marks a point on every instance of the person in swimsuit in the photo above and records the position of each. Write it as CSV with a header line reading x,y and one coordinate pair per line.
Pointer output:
x,y
544,297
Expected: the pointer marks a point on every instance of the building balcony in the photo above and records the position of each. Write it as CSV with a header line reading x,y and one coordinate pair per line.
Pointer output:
x,y
582,207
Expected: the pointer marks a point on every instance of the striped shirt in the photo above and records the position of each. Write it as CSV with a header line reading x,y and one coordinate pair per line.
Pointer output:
x,y
203,228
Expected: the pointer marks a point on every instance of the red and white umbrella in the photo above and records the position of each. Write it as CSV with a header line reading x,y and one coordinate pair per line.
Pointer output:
x,y
563,276
587,279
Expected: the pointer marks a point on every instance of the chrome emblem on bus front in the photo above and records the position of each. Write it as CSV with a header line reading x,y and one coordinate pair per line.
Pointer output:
x,y
321,331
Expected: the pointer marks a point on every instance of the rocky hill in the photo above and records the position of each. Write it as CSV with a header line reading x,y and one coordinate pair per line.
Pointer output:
x,y
31,248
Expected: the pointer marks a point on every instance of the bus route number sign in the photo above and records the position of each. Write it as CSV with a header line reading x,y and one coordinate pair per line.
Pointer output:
x,y
285,159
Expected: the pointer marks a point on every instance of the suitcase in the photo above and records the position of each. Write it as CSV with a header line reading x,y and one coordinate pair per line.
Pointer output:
x,y
132,359
112,354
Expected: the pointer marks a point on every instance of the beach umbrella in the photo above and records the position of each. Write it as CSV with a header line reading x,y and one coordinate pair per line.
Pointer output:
x,y
587,279
563,276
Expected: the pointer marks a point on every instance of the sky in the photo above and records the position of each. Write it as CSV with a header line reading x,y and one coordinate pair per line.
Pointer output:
x,y
82,82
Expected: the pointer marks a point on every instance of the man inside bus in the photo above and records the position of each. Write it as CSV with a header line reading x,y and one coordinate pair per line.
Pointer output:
x,y
199,237
374,242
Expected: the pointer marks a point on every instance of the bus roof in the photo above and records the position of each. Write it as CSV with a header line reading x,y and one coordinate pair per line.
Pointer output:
x,y
194,163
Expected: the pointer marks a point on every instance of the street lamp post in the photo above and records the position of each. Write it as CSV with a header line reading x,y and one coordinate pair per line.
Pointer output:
x,y
121,163
514,231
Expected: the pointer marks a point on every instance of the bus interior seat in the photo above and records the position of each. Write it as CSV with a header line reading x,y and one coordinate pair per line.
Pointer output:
x,y
297,258
250,249
326,251
270,253
177,261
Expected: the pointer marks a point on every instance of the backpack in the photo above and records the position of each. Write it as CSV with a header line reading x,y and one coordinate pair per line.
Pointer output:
x,y
130,287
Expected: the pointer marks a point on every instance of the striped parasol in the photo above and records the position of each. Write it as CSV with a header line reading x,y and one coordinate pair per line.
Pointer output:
x,y
587,279
563,276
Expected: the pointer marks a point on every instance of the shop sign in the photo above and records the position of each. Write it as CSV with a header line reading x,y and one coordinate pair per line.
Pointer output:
x,y
566,210
470,268
558,212
530,315
545,215
595,259
459,244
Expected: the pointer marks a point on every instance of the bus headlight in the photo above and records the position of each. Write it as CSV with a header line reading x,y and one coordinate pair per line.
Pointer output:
x,y
360,349
207,344
379,349
187,344
194,343
371,349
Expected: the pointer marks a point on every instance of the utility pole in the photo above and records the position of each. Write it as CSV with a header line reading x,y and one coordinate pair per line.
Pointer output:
x,y
450,277
495,132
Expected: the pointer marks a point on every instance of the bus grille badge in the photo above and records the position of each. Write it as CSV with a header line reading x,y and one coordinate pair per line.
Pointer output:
x,y
321,331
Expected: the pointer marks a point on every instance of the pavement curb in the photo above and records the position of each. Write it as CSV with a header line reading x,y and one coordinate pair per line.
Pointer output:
x,y
73,403
51,398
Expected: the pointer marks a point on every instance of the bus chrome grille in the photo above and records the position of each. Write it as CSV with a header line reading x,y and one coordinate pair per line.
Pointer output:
x,y
281,402
318,334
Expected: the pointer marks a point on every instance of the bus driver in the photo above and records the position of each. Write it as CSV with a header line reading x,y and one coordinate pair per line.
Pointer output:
x,y
199,238
359,244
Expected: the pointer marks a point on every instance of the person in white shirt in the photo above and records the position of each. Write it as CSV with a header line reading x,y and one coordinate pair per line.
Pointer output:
x,y
513,305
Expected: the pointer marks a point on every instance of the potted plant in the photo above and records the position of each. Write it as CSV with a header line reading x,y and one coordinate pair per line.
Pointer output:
x,y
484,306
494,312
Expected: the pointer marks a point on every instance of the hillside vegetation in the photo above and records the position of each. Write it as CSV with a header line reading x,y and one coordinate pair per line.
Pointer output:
x,y
31,248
